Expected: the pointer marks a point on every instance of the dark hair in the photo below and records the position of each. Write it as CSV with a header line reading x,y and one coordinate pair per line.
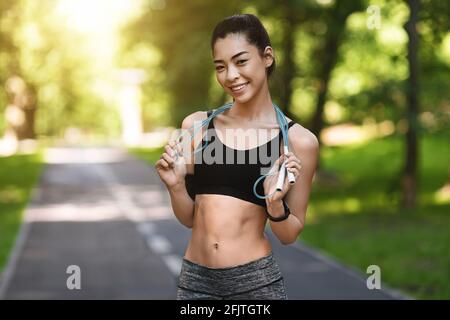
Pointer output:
x,y
250,26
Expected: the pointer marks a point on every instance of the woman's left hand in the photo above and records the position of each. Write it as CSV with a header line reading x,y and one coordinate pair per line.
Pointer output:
x,y
292,165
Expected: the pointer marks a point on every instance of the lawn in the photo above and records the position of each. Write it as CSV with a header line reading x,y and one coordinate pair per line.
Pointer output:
x,y
354,215
356,218
18,175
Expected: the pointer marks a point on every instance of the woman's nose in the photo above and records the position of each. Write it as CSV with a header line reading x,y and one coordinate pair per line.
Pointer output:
x,y
232,73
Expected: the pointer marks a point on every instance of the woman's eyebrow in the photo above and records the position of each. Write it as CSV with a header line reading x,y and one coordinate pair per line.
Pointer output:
x,y
235,56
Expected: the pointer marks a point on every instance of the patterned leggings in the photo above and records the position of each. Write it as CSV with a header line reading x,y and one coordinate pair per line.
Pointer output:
x,y
258,279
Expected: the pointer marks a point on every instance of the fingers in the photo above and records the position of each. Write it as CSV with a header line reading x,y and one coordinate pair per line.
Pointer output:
x,y
179,148
170,160
292,161
276,165
279,161
170,149
296,172
174,149
167,159
293,164
161,163
294,167
291,157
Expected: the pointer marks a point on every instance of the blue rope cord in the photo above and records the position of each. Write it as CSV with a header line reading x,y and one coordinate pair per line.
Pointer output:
x,y
281,118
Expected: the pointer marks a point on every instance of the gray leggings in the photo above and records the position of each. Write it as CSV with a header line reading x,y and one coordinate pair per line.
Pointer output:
x,y
258,279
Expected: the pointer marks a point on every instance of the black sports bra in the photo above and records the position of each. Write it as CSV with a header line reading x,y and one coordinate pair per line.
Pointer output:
x,y
219,169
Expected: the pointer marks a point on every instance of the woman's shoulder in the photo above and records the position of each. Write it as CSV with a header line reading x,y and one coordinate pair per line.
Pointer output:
x,y
302,138
190,119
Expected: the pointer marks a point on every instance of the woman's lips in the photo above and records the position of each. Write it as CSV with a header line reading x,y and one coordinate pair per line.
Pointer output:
x,y
239,88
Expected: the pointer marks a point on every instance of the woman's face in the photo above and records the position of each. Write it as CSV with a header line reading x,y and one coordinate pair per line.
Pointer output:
x,y
240,69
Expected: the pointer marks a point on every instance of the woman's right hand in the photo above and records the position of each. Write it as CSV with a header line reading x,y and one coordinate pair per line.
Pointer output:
x,y
171,169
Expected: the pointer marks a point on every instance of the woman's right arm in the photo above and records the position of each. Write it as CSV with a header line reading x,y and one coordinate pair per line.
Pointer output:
x,y
182,204
173,174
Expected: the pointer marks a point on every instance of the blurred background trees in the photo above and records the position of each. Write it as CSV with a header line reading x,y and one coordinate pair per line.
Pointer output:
x,y
339,63
369,77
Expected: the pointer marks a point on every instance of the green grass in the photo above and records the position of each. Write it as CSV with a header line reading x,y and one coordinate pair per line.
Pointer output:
x,y
149,155
18,175
359,222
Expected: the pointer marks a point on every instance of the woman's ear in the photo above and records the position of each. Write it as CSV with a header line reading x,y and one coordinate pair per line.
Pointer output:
x,y
268,56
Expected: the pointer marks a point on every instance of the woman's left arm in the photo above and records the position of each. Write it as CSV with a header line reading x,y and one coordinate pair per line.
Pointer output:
x,y
304,146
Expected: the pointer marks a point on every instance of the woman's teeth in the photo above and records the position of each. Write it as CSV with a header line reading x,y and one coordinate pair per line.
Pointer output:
x,y
238,88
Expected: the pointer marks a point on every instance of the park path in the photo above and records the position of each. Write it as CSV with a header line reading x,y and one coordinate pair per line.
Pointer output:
x,y
109,214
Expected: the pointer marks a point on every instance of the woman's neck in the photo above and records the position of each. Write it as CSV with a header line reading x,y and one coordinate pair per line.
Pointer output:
x,y
259,108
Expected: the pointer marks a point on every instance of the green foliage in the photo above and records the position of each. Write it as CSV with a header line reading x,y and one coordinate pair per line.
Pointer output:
x,y
73,70
60,64
74,73
149,155
181,32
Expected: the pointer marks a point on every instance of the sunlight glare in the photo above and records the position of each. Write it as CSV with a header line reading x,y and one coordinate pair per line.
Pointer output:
x,y
89,16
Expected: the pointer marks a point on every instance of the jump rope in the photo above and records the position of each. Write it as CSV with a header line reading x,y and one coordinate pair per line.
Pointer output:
x,y
281,118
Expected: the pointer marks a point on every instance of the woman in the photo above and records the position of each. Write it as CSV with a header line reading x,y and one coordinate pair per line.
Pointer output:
x,y
228,255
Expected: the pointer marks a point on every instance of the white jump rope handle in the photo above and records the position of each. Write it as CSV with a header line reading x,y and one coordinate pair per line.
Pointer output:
x,y
282,174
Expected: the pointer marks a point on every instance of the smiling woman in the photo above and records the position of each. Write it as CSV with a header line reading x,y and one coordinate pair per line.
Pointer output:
x,y
229,255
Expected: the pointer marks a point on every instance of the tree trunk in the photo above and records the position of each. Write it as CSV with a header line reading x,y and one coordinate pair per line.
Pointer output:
x,y
409,180
289,67
21,109
329,55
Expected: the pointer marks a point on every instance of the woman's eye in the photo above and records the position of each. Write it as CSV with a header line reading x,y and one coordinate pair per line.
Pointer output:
x,y
241,61
218,68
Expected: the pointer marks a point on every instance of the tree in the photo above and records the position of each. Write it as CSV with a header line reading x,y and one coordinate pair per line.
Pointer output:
x,y
48,73
181,31
289,15
20,110
326,54
409,180
20,96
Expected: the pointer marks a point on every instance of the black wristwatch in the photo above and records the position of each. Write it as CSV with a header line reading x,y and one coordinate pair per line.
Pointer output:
x,y
287,212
